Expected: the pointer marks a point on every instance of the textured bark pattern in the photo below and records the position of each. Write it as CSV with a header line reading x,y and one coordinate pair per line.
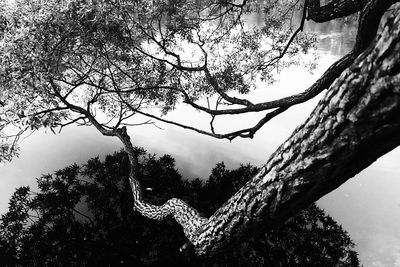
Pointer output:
x,y
333,10
368,22
356,122
184,214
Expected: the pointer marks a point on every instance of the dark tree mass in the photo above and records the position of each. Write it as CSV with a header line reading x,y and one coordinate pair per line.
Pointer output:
x,y
83,216
113,65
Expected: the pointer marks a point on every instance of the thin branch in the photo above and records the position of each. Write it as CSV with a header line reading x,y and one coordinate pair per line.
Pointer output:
x,y
245,133
44,112
217,88
285,49
85,216
70,122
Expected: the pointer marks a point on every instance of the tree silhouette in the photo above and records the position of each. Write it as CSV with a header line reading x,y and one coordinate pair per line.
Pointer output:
x,y
83,216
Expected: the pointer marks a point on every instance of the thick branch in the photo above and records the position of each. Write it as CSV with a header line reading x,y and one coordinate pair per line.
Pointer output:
x,y
353,125
185,215
245,133
216,87
334,9
369,22
368,25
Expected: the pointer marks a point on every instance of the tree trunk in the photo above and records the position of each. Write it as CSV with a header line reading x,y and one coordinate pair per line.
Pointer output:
x,y
356,122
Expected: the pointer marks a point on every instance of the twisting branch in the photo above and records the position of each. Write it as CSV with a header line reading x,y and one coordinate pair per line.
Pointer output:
x,y
285,49
307,165
62,125
347,131
185,215
333,10
217,88
369,21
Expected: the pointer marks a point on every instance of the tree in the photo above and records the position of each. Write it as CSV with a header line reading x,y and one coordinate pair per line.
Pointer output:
x,y
102,64
82,215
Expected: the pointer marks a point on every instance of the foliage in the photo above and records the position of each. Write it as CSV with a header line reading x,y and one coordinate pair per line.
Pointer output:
x,y
106,61
82,216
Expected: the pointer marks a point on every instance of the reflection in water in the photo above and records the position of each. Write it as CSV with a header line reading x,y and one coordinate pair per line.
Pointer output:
x,y
334,37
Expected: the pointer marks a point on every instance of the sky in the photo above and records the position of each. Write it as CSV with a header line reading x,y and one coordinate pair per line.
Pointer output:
x,y
367,206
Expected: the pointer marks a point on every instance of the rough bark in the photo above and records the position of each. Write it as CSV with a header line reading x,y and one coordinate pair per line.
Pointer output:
x,y
184,214
352,126
334,9
369,20
356,122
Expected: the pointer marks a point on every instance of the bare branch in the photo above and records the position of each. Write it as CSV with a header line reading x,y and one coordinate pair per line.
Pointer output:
x,y
217,88
245,133
62,125
285,49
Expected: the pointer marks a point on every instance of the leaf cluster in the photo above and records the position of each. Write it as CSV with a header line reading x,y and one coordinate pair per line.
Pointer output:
x,y
103,62
82,216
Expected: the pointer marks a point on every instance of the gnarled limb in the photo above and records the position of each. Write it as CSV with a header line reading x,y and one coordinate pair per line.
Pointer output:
x,y
367,29
352,126
334,9
345,134
184,214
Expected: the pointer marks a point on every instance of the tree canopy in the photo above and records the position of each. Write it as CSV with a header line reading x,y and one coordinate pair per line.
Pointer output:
x,y
82,215
109,60
104,63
